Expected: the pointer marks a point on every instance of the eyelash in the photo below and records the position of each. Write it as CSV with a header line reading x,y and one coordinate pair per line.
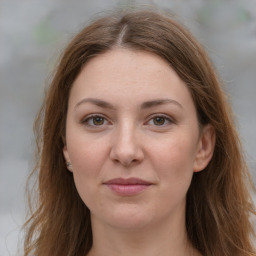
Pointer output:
x,y
89,118
165,117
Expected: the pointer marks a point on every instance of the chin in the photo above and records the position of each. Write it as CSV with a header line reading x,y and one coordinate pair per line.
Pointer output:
x,y
129,217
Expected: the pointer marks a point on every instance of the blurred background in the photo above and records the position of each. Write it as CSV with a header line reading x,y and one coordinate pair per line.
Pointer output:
x,y
34,32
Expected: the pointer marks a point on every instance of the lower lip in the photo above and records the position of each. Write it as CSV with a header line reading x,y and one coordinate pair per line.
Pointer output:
x,y
128,190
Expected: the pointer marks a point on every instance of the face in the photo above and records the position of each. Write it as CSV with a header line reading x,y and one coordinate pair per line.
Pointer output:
x,y
133,139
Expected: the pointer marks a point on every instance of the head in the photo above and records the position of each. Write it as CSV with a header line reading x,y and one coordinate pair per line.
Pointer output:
x,y
216,186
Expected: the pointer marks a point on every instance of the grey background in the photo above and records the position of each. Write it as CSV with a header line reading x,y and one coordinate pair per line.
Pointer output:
x,y
33,33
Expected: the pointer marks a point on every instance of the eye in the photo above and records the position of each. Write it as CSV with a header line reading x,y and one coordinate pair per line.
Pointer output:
x,y
95,120
160,120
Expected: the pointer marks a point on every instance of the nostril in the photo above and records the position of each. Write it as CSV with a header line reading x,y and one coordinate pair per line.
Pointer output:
x,y
126,158
127,163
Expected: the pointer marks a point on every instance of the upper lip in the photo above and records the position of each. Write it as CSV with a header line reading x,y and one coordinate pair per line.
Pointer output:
x,y
129,181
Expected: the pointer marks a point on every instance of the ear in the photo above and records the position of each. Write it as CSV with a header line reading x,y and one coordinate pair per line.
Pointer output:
x,y
66,156
205,149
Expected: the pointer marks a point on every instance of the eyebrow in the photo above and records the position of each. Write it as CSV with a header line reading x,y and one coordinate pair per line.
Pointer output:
x,y
144,105
157,102
97,102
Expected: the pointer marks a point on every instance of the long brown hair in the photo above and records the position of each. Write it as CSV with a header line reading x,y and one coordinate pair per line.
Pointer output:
x,y
218,202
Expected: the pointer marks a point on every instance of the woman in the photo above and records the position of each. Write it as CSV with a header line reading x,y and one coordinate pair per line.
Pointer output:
x,y
138,154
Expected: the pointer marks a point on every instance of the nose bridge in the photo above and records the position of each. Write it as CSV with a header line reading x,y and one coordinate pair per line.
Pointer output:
x,y
125,137
126,148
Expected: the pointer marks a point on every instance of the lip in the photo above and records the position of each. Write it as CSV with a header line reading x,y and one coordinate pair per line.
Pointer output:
x,y
127,187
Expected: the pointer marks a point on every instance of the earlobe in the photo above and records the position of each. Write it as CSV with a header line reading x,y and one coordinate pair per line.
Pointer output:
x,y
205,148
67,159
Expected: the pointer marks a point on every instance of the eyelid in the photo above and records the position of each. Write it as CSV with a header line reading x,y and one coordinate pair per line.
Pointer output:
x,y
170,119
85,120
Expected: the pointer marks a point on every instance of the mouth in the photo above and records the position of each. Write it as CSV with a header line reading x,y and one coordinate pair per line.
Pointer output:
x,y
127,187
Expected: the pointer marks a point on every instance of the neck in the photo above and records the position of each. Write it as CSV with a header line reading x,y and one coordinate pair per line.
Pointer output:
x,y
160,239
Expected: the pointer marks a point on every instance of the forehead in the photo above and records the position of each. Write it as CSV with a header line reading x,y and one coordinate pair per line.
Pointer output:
x,y
121,64
123,73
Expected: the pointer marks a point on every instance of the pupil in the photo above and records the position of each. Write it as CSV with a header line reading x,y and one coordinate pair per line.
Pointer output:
x,y
98,121
159,121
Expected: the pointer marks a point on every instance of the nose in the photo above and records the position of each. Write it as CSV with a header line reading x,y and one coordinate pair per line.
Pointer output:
x,y
126,148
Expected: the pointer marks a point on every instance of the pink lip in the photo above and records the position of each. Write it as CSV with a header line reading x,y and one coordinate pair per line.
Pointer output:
x,y
127,187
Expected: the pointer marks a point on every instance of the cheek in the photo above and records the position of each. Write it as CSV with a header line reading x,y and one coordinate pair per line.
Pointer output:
x,y
87,163
177,150
86,154
87,157
174,161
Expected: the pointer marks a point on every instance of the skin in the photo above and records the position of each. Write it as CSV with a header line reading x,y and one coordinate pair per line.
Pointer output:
x,y
135,133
